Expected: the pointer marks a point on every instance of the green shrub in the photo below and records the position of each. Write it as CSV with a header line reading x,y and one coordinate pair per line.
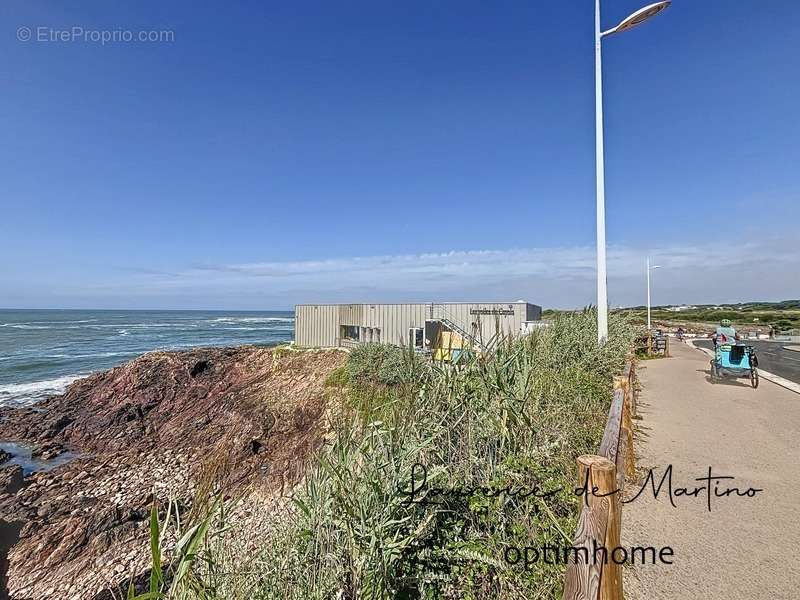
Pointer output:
x,y
339,377
381,364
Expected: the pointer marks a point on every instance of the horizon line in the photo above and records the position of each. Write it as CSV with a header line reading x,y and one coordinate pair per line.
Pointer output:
x,y
292,309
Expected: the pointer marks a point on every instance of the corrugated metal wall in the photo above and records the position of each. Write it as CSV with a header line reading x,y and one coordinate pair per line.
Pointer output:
x,y
351,314
318,324
485,321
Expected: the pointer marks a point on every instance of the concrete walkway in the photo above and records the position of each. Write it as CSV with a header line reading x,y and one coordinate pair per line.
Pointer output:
x,y
745,547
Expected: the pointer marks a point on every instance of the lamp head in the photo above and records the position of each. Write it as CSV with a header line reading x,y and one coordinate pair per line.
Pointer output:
x,y
640,16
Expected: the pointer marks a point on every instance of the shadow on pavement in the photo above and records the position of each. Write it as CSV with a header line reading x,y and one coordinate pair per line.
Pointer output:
x,y
731,381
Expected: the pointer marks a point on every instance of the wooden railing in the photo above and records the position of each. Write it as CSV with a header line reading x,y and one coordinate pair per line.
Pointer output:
x,y
602,478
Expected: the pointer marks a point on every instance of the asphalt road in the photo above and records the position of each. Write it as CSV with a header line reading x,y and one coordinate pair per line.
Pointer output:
x,y
772,357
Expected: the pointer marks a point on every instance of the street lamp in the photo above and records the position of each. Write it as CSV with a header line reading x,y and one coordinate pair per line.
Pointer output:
x,y
649,268
632,20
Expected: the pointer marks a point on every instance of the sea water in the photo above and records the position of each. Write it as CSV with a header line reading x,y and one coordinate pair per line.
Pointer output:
x,y
43,351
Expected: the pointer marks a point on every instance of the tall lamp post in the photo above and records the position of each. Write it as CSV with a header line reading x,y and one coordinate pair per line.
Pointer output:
x,y
632,20
649,268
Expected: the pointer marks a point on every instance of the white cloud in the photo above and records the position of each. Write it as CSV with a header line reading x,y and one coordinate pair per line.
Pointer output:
x,y
718,271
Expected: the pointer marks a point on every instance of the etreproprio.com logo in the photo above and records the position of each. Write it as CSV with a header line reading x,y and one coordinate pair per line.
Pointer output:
x,y
43,34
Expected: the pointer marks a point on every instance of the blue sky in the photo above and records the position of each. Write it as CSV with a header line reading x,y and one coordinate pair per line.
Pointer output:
x,y
283,152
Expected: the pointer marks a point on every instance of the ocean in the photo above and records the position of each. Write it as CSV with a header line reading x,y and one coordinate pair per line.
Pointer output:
x,y
43,351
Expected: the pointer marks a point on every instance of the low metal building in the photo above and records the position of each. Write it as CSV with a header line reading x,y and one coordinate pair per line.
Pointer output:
x,y
346,325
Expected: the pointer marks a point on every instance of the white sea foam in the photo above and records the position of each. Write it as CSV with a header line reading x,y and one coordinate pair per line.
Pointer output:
x,y
137,325
269,329
57,322
91,355
49,324
26,393
251,320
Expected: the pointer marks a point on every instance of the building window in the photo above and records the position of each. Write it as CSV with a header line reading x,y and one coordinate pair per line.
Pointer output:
x,y
416,337
376,335
349,332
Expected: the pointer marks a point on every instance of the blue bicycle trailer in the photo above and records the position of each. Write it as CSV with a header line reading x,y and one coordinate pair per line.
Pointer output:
x,y
735,361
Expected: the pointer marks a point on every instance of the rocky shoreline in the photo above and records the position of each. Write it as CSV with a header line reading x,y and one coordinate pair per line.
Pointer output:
x,y
166,426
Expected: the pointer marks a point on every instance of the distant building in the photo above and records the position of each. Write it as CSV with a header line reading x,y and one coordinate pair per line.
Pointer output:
x,y
680,308
425,326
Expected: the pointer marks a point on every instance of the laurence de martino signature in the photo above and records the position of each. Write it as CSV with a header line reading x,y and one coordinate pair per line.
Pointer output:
x,y
709,487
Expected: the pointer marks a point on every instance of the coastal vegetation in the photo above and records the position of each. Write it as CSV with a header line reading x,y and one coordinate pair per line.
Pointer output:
x,y
431,472
782,316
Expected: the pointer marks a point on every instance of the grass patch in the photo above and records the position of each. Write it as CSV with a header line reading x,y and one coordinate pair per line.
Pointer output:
x,y
338,378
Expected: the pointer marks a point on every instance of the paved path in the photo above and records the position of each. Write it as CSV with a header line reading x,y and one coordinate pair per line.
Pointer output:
x,y
746,547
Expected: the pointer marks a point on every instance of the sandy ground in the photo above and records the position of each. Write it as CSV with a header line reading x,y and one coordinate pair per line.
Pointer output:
x,y
745,547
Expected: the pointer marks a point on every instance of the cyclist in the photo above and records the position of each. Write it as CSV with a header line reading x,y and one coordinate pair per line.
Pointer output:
x,y
725,333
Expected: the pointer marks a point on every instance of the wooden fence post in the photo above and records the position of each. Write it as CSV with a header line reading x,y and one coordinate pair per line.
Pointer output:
x,y
626,431
611,581
630,374
601,478
620,383
622,458
598,526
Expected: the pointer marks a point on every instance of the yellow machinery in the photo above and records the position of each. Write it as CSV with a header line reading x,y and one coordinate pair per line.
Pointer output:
x,y
450,346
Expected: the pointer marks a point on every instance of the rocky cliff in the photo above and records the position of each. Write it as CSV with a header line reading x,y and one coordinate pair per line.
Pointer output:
x,y
164,425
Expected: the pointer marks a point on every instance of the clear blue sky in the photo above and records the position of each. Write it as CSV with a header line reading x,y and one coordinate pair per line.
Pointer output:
x,y
282,152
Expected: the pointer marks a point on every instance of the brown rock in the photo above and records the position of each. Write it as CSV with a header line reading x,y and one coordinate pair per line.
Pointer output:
x,y
175,419
48,450
11,479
